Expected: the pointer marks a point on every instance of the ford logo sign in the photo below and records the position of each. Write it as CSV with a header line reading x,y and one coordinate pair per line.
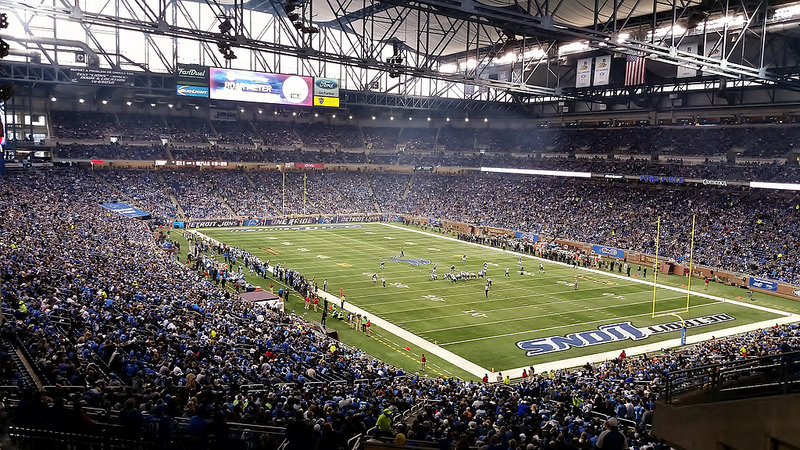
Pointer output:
x,y
326,84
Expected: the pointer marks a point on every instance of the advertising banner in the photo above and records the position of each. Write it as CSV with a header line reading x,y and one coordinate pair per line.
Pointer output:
x,y
529,237
126,210
326,87
608,251
191,91
246,86
763,283
191,74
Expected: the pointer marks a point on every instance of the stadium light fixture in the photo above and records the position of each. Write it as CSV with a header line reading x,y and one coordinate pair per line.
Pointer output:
x,y
778,186
447,119
241,110
573,47
316,114
466,119
129,103
551,173
105,102
294,113
373,117
275,112
410,118
390,118
787,12
80,100
153,105
170,105
333,116
429,119
351,117
485,119
52,99
196,106
260,111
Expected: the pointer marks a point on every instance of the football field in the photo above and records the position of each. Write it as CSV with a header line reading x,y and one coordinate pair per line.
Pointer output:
x,y
529,317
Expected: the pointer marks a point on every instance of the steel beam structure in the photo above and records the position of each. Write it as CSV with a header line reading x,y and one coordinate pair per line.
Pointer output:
x,y
369,47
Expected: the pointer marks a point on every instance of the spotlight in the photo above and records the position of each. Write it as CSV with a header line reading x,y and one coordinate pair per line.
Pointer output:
x,y
225,26
333,116
448,119
485,119
429,119
52,99
105,102
170,105
129,103
466,119
153,105
294,113
196,107
4,47
260,111
373,117
80,100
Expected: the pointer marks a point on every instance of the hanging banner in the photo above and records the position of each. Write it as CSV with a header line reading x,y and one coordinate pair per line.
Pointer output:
x,y
602,69
714,51
683,71
583,76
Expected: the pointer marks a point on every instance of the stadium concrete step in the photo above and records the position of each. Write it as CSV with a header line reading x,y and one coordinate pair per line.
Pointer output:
x,y
172,198
266,197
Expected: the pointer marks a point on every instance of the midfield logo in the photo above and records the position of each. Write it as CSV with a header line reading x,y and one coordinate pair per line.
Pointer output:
x,y
412,261
616,332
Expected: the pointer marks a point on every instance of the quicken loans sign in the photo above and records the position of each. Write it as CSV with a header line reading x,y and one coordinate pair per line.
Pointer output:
x,y
616,332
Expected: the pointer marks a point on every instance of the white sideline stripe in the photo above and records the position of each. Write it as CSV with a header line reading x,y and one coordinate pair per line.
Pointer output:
x,y
649,348
608,274
406,335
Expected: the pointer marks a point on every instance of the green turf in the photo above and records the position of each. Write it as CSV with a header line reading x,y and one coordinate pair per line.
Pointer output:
x,y
458,316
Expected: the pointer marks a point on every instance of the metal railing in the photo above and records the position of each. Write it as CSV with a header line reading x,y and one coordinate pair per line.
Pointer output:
x,y
748,377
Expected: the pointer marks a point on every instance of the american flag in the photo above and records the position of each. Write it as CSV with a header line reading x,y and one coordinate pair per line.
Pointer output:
x,y
634,70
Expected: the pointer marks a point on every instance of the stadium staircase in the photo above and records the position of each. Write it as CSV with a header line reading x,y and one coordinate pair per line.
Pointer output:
x,y
409,186
751,403
163,181
372,196
253,185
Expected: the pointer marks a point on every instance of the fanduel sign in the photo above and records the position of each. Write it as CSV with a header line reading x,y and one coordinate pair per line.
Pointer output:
x,y
616,332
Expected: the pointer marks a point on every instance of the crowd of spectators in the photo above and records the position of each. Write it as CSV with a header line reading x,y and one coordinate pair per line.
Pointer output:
x,y
83,126
741,230
106,312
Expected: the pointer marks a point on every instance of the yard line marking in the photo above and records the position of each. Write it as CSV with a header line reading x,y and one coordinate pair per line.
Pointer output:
x,y
600,272
515,319
534,305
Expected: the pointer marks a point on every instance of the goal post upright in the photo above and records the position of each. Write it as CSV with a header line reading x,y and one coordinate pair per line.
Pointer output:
x,y
691,255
